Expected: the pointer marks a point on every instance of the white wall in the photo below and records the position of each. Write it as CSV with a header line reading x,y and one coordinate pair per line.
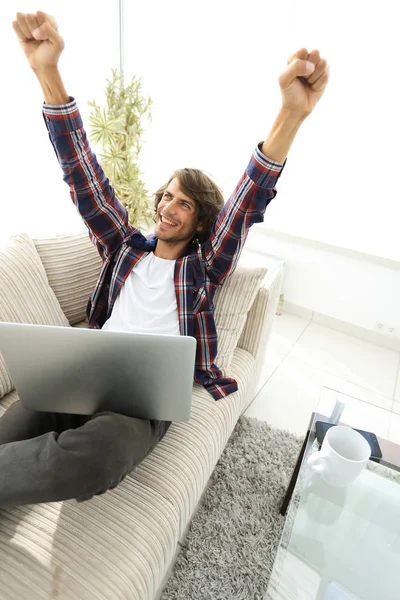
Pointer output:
x,y
348,286
341,186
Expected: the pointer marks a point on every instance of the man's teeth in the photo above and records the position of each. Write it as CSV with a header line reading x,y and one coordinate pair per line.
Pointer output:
x,y
164,220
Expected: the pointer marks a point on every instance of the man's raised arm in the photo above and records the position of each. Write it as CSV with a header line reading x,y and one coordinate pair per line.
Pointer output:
x,y
302,84
90,190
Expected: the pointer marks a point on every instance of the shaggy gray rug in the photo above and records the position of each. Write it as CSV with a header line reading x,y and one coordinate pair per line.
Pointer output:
x,y
231,544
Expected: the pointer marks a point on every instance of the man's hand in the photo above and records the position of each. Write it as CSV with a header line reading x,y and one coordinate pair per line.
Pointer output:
x,y
39,39
302,85
42,45
303,82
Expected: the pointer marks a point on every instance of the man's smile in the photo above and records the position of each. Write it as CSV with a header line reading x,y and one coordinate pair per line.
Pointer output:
x,y
167,223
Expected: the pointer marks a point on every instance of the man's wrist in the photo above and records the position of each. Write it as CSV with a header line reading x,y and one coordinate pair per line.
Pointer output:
x,y
292,118
282,134
52,85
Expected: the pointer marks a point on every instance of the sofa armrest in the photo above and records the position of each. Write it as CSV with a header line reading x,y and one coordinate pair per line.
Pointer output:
x,y
257,330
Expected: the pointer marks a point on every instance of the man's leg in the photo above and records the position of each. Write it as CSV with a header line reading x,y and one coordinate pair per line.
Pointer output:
x,y
18,423
76,463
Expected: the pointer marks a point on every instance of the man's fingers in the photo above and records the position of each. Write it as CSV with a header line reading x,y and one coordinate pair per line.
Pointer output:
x,y
317,77
302,54
319,69
21,36
23,26
297,68
321,81
314,56
46,32
38,26
31,23
42,17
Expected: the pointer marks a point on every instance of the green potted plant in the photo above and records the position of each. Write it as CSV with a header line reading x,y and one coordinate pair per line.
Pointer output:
x,y
118,129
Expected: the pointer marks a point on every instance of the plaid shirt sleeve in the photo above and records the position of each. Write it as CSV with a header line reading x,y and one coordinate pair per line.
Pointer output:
x,y
90,190
245,207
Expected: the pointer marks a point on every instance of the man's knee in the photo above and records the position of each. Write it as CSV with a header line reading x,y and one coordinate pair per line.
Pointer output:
x,y
122,442
106,449
87,460
132,437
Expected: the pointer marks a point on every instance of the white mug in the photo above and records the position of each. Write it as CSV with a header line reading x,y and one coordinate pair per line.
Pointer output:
x,y
343,455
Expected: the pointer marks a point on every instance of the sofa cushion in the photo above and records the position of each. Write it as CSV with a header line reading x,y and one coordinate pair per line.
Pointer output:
x,y
25,294
233,300
72,266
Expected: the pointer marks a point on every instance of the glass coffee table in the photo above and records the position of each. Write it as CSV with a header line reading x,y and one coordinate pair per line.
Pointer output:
x,y
341,544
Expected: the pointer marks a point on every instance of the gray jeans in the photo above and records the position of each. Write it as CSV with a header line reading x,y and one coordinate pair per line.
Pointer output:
x,y
48,457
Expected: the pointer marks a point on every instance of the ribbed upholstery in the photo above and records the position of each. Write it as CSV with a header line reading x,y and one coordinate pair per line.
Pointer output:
x,y
257,332
72,265
232,303
25,294
119,545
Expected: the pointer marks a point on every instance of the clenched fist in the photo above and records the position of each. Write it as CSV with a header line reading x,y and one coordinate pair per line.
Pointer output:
x,y
39,39
303,82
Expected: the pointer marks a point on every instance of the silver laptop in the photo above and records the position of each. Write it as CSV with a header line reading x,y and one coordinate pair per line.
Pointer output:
x,y
84,371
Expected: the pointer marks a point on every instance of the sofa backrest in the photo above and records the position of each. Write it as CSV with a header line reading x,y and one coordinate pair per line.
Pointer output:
x,y
257,330
25,293
233,302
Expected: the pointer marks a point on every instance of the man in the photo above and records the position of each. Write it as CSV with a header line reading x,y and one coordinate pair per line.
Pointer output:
x,y
164,282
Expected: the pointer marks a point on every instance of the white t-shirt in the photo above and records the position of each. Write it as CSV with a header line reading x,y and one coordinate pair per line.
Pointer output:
x,y
147,300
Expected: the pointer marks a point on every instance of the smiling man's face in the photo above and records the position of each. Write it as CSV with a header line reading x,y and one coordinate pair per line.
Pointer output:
x,y
176,217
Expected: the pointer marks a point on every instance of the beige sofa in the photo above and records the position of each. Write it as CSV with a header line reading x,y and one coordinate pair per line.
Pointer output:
x,y
121,545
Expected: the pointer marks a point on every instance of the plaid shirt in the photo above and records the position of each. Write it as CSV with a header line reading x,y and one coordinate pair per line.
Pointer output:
x,y
121,246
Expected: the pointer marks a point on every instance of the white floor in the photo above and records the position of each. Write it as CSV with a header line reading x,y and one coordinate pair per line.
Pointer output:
x,y
303,356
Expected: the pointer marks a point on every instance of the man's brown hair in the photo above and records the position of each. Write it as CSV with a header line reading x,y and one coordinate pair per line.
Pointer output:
x,y
206,194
